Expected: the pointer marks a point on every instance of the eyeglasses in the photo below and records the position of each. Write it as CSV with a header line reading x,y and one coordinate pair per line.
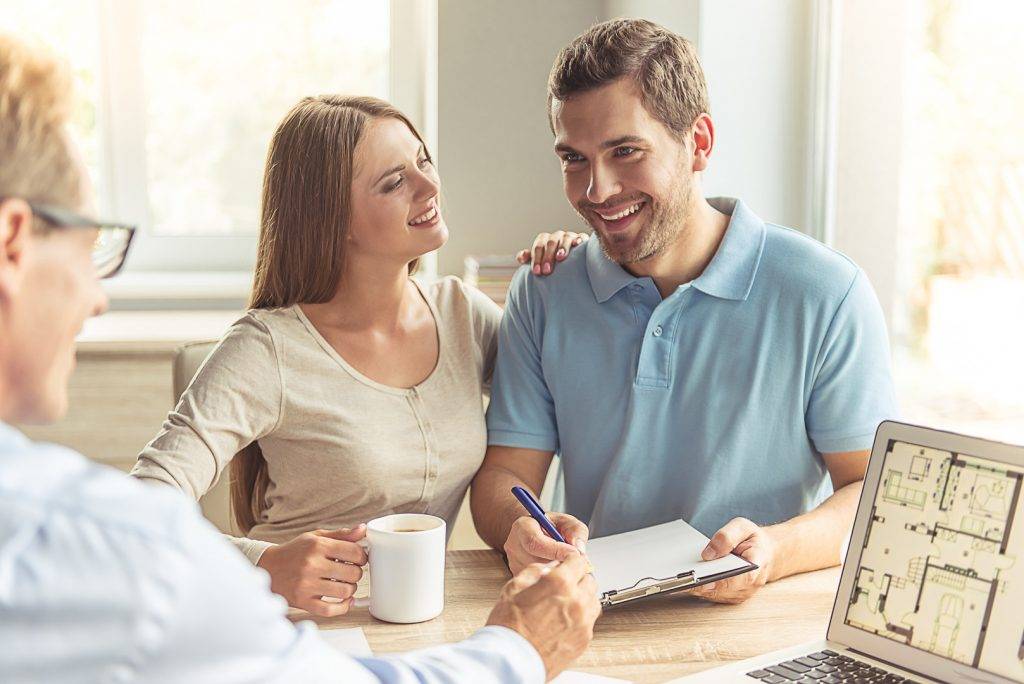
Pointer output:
x,y
111,246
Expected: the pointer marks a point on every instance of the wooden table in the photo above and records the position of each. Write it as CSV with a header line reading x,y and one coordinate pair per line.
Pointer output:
x,y
653,641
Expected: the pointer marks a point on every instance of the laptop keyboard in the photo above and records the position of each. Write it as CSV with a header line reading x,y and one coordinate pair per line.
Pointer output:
x,y
827,667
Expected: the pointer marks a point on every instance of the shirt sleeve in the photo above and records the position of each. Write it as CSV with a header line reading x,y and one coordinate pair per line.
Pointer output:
x,y
486,317
492,654
852,390
522,411
235,399
225,619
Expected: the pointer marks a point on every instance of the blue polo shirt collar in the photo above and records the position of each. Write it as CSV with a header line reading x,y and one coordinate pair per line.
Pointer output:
x,y
730,275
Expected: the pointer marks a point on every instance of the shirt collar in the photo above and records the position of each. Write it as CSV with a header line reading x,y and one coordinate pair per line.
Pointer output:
x,y
11,438
730,275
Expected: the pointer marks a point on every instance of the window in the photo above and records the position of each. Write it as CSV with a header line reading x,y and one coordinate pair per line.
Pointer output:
x,y
930,200
180,100
958,324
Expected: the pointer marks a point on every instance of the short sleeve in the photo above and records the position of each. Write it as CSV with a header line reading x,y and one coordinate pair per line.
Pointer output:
x,y
235,399
852,389
521,413
486,317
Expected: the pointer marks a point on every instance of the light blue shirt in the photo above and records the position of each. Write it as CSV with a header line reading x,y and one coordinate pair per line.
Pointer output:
x,y
712,403
105,579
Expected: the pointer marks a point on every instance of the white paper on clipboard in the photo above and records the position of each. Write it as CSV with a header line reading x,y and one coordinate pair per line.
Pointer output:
x,y
659,558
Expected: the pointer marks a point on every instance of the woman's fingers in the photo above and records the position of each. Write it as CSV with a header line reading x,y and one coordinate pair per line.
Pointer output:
x,y
569,240
339,591
538,252
326,607
551,247
340,572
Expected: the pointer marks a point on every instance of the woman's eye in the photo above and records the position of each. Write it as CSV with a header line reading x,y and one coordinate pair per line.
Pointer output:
x,y
571,157
624,151
394,186
424,163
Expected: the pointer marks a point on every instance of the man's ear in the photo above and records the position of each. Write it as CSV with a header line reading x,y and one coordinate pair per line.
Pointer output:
x,y
703,133
15,238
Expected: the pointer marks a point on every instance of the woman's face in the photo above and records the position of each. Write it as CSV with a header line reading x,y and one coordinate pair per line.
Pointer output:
x,y
396,213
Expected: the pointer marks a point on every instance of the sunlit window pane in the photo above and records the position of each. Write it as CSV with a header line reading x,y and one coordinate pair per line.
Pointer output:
x,y
71,29
218,77
960,301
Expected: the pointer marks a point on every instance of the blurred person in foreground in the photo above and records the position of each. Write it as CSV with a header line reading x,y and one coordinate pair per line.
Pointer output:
x,y
105,579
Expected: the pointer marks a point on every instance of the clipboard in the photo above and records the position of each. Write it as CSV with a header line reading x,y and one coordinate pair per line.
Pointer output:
x,y
656,560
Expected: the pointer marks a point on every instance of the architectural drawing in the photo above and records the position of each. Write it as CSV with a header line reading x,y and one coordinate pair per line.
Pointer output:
x,y
939,570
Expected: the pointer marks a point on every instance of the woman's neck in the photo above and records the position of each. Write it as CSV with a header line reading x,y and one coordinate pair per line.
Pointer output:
x,y
369,296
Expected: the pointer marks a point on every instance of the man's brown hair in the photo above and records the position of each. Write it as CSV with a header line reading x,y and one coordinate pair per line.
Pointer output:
x,y
36,162
664,65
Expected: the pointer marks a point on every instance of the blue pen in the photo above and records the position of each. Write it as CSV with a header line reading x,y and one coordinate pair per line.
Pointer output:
x,y
537,513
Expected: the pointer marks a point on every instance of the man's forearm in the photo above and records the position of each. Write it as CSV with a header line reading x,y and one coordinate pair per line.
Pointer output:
x,y
812,541
492,504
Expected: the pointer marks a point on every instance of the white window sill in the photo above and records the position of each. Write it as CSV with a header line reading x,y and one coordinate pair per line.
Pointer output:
x,y
161,289
151,332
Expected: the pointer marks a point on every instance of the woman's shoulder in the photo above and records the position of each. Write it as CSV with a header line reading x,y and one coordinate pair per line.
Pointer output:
x,y
452,295
258,332
273,322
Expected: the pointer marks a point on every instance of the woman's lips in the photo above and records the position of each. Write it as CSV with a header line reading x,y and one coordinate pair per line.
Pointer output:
x,y
432,221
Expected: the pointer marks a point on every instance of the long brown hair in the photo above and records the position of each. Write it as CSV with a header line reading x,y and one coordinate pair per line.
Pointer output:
x,y
303,225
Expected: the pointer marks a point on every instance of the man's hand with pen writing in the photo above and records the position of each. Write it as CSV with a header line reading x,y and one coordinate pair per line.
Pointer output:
x,y
528,544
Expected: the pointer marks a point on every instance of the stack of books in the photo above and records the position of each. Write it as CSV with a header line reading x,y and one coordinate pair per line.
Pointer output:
x,y
491,275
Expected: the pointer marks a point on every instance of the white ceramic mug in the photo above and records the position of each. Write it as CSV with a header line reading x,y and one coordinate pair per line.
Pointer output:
x,y
406,568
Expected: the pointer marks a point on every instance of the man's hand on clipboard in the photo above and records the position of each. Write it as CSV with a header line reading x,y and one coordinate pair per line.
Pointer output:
x,y
527,543
749,541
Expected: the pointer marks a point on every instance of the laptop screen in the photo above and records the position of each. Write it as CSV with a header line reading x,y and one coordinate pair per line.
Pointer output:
x,y
942,567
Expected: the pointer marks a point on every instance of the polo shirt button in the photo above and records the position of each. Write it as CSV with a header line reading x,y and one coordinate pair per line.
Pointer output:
x,y
658,331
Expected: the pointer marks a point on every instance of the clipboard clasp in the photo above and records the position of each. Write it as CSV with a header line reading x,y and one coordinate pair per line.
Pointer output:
x,y
617,596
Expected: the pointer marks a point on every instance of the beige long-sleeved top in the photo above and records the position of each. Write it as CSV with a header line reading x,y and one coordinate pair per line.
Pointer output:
x,y
340,448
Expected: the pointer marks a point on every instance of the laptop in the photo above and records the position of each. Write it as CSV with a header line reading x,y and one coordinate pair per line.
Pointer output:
x,y
933,584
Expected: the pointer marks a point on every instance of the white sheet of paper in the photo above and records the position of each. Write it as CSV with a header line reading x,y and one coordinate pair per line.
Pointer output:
x,y
350,641
658,552
572,677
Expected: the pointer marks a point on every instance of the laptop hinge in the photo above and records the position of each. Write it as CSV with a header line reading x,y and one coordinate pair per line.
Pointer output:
x,y
886,662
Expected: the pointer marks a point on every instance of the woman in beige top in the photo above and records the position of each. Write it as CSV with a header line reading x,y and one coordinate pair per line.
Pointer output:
x,y
350,390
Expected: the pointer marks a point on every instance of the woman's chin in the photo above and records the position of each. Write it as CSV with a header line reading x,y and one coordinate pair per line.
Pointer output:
x,y
433,238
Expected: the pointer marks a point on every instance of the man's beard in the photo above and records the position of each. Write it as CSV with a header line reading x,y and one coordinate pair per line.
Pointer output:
x,y
665,223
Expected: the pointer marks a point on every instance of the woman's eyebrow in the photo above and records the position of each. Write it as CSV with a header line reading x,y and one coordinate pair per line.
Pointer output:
x,y
393,169
399,167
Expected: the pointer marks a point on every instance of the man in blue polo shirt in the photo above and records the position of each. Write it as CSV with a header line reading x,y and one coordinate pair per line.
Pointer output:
x,y
693,361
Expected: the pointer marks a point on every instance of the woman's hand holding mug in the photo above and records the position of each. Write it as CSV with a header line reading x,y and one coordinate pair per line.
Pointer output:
x,y
317,571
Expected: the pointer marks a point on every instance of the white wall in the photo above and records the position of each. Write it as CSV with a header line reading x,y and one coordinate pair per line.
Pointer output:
x,y
756,57
869,136
501,181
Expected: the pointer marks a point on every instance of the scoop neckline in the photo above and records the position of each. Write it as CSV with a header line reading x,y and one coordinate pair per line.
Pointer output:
x,y
366,380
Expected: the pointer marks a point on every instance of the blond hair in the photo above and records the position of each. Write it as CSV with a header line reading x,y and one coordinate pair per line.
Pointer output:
x,y
303,225
664,65
36,101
